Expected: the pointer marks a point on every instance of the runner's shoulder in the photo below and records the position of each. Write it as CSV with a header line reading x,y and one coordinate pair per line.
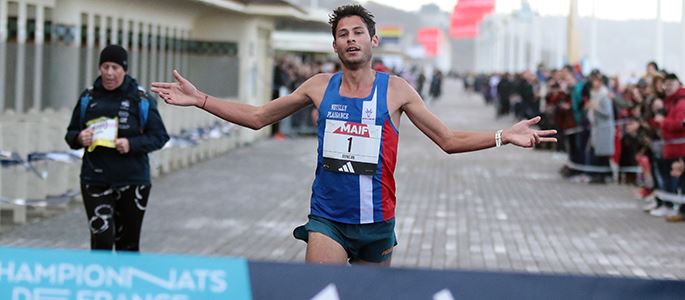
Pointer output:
x,y
313,88
399,88
319,78
316,82
398,83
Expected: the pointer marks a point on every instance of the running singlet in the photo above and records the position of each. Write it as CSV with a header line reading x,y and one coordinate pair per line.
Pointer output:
x,y
357,151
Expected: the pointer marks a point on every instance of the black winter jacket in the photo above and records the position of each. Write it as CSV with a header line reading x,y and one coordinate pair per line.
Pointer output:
x,y
106,166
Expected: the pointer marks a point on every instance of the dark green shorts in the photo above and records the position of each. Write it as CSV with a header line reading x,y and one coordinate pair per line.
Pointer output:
x,y
368,242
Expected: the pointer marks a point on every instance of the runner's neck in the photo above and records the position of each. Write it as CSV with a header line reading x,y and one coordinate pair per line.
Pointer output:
x,y
358,83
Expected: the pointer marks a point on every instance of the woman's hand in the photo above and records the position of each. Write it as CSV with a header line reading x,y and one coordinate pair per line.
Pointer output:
x,y
122,145
85,137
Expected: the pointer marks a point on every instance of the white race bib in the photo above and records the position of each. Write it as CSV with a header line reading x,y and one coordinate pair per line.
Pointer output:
x,y
351,147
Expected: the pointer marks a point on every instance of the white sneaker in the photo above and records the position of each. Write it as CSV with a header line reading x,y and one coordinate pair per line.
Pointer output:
x,y
580,178
660,211
649,206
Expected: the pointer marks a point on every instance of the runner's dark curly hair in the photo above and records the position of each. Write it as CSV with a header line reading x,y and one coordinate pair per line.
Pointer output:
x,y
352,10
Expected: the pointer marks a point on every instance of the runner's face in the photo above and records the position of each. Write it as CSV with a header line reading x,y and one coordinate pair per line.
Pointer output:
x,y
352,42
112,75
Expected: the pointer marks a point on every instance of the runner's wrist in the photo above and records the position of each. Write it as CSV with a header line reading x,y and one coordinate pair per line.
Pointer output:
x,y
201,99
498,138
503,136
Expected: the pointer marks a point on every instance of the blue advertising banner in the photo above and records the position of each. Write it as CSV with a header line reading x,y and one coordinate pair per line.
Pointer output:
x,y
34,274
323,282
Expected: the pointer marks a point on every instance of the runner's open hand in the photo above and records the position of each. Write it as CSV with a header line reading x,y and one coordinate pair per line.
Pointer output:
x,y
181,92
523,136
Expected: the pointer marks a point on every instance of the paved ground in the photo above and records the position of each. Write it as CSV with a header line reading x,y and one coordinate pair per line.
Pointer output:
x,y
502,209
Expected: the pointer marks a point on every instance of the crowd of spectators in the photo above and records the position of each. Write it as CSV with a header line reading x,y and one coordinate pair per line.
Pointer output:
x,y
628,131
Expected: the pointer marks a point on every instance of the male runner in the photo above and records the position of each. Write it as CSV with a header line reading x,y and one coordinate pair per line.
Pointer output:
x,y
353,195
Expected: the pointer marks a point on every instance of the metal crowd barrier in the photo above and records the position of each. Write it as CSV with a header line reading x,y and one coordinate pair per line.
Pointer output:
x,y
39,171
605,169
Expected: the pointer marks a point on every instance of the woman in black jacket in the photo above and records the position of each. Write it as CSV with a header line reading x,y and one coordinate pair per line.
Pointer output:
x,y
119,124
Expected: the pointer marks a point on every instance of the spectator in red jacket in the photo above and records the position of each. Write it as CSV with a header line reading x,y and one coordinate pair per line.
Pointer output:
x,y
673,134
671,125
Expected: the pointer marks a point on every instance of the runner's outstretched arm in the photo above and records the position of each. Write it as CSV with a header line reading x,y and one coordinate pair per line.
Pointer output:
x,y
452,141
183,93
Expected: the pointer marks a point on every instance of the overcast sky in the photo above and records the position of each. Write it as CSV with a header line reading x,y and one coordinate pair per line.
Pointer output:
x,y
605,9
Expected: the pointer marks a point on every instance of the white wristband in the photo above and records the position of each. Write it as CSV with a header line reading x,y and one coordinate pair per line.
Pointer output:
x,y
498,138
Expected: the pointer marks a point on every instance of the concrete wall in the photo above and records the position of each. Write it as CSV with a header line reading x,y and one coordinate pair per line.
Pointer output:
x,y
254,52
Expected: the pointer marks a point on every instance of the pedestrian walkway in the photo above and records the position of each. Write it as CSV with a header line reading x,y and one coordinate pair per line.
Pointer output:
x,y
503,209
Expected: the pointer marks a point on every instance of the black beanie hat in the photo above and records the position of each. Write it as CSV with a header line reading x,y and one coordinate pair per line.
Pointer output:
x,y
115,54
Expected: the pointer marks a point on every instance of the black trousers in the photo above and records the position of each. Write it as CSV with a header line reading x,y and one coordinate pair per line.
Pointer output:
x,y
115,215
668,183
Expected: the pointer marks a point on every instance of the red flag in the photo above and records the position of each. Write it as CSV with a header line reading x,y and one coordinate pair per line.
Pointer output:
x,y
428,37
467,15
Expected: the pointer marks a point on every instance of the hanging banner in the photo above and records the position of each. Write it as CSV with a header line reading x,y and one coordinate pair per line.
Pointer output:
x,y
428,37
466,17
464,28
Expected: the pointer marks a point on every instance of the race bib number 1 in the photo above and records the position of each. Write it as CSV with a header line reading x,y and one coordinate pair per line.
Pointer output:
x,y
351,147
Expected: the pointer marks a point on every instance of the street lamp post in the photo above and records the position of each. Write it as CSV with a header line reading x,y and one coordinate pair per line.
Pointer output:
x,y
594,60
559,42
659,43
682,41
499,46
535,55
572,37
510,45
521,38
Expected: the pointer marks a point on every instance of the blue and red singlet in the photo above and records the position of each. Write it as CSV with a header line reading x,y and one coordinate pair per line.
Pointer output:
x,y
357,151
